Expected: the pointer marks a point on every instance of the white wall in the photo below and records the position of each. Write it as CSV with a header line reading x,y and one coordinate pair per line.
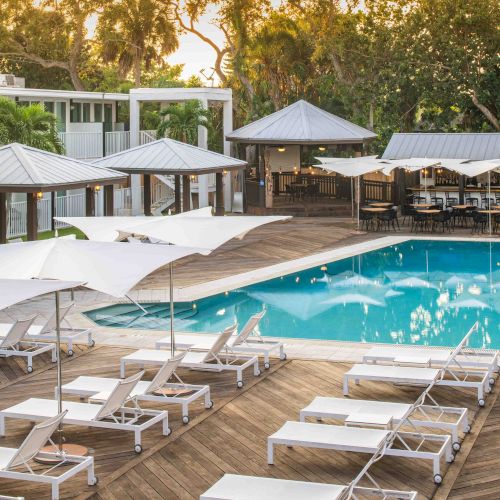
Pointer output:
x,y
286,161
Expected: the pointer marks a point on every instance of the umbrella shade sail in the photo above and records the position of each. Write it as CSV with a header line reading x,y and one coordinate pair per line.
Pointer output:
x,y
13,291
112,268
105,228
474,168
201,232
352,167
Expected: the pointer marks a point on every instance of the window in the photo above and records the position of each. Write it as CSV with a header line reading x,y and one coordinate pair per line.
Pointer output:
x,y
86,112
98,112
61,116
49,106
75,112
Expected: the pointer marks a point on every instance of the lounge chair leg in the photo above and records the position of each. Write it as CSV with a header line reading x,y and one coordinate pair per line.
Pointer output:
x,y
256,369
91,478
346,386
166,429
30,364
2,425
270,453
55,491
122,369
54,355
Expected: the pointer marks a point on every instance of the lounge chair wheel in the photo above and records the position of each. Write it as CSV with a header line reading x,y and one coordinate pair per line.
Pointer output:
x,y
467,429
185,420
438,478
138,448
456,446
488,389
492,381
169,431
283,358
95,481
92,343
259,373
239,384
30,369
481,402
267,366
210,405
70,352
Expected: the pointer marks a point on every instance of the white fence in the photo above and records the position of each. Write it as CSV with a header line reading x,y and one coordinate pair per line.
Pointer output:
x,y
73,205
90,145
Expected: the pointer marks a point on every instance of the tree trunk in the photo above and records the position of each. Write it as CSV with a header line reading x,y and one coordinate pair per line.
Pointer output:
x,y
486,112
137,70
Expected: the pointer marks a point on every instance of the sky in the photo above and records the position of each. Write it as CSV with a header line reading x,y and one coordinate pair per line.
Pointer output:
x,y
195,54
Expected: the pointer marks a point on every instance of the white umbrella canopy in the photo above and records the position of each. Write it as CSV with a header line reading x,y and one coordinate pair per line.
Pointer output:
x,y
106,228
352,167
13,291
412,164
112,268
201,232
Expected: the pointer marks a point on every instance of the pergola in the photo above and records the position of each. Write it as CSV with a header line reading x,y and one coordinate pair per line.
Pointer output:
x,y
33,171
170,157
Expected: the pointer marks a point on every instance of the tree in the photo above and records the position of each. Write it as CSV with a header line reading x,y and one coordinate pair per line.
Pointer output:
x,y
135,34
181,121
30,125
52,36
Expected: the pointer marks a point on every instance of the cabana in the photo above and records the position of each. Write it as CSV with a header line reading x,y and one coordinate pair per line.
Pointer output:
x,y
34,172
169,157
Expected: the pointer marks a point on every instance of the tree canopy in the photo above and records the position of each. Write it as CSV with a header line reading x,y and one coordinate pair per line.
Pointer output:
x,y
389,65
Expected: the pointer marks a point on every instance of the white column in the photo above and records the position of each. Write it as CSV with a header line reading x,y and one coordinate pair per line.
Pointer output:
x,y
135,179
203,179
227,128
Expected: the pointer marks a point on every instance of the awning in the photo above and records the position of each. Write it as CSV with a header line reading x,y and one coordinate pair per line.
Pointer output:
x,y
13,291
352,167
112,268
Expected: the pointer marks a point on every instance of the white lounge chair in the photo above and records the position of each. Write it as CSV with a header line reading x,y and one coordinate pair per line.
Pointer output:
x,y
14,344
111,414
242,342
14,460
385,415
212,360
452,374
235,487
413,355
362,440
47,331
86,387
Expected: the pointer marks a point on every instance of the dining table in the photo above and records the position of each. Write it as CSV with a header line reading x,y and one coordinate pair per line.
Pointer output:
x,y
381,204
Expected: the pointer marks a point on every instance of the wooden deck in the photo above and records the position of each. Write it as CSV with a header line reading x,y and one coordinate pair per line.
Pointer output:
x,y
264,246
232,436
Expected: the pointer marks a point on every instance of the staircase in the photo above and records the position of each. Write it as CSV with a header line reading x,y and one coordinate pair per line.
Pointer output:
x,y
165,197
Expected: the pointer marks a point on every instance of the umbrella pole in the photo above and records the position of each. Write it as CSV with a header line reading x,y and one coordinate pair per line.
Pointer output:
x,y
358,197
352,199
59,371
489,199
172,335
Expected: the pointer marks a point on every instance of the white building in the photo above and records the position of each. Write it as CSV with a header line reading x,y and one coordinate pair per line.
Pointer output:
x,y
96,124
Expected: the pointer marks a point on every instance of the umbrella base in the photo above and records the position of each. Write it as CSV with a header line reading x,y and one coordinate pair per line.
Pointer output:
x,y
68,448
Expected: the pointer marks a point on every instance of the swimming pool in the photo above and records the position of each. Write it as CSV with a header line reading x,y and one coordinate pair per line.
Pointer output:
x,y
417,292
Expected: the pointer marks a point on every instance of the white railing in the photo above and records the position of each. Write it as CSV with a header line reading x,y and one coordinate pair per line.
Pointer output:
x,y
89,145
82,145
72,205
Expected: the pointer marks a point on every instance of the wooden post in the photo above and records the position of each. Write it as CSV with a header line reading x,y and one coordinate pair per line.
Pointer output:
x,y
177,186
147,194
31,216
89,202
186,193
3,218
461,189
219,194
52,210
109,200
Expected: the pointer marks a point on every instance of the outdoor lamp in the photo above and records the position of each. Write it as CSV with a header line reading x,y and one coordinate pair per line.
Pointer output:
x,y
322,148
281,149
39,195
97,188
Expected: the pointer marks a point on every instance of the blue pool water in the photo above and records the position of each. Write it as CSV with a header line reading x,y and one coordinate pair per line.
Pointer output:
x,y
418,292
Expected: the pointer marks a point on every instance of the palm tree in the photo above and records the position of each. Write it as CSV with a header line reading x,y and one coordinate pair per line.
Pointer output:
x,y
30,125
134,33
181,121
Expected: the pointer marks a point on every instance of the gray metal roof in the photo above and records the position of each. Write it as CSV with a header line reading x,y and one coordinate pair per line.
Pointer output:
x,y
301,123
27,169
166,156
473,146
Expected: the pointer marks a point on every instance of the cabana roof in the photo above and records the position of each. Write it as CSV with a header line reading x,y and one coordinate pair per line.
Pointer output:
x,y
28,170
473,146
301,123
169,157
